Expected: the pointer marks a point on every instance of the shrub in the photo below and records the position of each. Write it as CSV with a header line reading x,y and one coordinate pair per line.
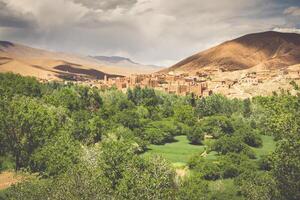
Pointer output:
x,y
257,186
193,188
265,163
227,144
196,135
209,170
252,139
195,160
233,164
160,132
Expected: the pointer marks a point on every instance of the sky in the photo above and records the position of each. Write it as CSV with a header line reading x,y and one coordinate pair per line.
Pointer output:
x,y
160,32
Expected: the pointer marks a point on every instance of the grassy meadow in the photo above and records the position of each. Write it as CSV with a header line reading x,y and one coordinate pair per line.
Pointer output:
x,y
179,151
268,147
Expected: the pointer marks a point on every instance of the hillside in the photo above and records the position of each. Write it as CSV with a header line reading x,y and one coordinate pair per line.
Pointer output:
x,y
254,64
51,65
126,63
267,50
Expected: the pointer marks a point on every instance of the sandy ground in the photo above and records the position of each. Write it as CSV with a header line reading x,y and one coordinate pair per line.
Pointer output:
x,y
8,178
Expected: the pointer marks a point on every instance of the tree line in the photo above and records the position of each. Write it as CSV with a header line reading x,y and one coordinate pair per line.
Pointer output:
x,y
86,143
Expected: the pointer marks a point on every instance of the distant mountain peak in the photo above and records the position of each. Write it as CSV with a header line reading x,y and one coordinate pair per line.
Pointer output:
x,y
6,44
126,63
113,59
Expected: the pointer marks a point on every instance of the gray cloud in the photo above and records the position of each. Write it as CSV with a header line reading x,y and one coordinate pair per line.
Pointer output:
x,y
294,11
292,16
11,18
106,4
287,30
152,31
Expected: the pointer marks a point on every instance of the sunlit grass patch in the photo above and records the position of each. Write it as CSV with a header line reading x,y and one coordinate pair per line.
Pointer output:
x,y
177,152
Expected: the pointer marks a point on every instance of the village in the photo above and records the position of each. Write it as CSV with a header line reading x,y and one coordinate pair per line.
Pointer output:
x,y
200,84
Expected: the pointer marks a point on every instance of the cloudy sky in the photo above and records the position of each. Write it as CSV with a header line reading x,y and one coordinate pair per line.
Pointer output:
x,y
149,31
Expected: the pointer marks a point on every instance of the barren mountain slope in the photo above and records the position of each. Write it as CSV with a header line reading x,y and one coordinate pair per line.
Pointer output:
x,y
267,49
44,64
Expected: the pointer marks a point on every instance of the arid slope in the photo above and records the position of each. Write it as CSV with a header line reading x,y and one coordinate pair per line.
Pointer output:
x,y
45,64
266,50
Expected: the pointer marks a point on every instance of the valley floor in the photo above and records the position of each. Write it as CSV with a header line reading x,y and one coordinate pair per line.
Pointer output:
x,y
179,151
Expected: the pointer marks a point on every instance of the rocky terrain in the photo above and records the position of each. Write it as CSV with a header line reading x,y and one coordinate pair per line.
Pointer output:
x,y
255,64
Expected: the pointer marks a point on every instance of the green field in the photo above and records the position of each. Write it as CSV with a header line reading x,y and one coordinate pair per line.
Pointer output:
x,y
181,150
268,147
177,152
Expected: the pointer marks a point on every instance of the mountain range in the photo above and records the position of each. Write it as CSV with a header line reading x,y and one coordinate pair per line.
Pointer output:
x,y
50,65
126,63
267,60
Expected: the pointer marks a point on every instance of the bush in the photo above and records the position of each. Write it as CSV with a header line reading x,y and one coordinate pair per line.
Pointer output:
x,y
227,144
217,105
160,132
265,163
6,162
193,188
257,186
195,160
116,173
252,139
244,129
58,155
209,170
230,171
196,135
232,165
248,152
286,168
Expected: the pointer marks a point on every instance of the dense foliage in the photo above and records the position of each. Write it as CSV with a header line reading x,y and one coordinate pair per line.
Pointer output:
x,y
83,143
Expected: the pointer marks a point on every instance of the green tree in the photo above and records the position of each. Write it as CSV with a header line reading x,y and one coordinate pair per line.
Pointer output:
x,y
196,135
152,178
66,97
185,114
217,126
80,127
27,125
247,108
217,105
160,132
287,167
230,144
276,115
129,119
257,186
207,169
243,129
58,155
193,188
12,84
